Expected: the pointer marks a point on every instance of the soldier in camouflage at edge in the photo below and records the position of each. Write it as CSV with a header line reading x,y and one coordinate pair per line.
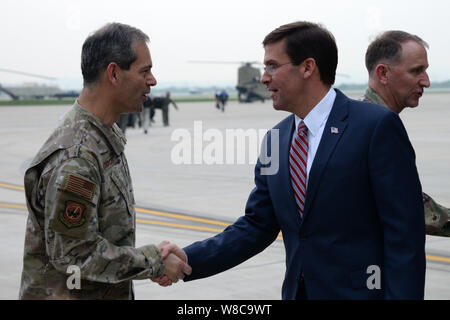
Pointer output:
x,y
397,63
78,187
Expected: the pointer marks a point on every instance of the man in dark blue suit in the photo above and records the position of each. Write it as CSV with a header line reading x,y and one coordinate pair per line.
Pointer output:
x,y
347,196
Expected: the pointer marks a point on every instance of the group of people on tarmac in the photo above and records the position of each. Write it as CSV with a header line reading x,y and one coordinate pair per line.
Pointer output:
x,y
145,118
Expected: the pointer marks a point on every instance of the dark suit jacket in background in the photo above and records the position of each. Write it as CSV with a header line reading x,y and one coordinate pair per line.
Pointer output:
x,y
363,207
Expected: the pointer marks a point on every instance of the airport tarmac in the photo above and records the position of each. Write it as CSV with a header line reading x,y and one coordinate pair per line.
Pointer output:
x,y
187,202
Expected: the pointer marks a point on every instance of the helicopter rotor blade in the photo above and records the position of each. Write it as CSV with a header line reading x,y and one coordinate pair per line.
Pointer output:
x,y
27,74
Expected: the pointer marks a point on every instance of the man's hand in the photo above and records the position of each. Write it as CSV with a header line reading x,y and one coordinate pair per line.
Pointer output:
x,y
175,260
166,248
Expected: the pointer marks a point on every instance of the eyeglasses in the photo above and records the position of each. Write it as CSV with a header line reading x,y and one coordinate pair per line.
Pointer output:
x,y
272,68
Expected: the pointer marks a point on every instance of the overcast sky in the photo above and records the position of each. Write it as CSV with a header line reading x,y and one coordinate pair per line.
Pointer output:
x,y
45,37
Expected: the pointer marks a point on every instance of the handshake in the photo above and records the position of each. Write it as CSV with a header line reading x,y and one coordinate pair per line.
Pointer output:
x,y
175,260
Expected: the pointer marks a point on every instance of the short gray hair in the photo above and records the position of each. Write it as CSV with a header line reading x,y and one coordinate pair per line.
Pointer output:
x,y
388,47
114,42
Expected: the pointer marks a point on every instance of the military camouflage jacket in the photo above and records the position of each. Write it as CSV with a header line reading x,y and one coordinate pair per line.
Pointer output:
x,y
437,217
81,213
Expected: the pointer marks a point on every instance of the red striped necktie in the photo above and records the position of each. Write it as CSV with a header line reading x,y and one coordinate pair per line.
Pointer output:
x,y
298,165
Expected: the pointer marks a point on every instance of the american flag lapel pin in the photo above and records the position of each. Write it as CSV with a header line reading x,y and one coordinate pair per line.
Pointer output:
x,y
334,130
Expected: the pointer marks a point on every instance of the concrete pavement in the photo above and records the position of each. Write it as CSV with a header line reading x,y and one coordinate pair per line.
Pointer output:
x,y
215,193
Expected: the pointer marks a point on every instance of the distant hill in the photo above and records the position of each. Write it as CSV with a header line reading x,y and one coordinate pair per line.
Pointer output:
x,y
352,86
444,84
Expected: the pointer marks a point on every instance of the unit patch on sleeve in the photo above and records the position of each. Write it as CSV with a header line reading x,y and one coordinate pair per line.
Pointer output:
x,y
73,215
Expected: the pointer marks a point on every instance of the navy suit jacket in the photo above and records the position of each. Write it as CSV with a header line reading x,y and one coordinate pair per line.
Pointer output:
x,y
363,208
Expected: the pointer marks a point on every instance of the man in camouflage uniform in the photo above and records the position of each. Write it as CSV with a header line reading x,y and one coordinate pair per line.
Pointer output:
x,y
163,104
78,187
397,63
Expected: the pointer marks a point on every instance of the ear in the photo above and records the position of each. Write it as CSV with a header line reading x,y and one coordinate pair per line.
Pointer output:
x,y
308,67
113,73
382,73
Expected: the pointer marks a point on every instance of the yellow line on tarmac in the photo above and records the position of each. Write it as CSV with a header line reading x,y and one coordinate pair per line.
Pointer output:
x,y
153,212
14,206
161,223
153,222
176,225
185,226
183,217
11,186
158,213
437,258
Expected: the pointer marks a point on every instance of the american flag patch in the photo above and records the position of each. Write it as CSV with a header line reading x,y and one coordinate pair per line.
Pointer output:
x,y
80,186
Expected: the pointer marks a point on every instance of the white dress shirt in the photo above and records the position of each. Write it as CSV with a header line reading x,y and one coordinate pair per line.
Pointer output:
x,y
315,122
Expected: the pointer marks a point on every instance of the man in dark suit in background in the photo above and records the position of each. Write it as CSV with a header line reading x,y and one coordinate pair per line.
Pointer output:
x,y
347,196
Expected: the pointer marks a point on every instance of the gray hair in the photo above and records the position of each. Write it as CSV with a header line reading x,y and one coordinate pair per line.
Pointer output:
x,y
388,47
115,42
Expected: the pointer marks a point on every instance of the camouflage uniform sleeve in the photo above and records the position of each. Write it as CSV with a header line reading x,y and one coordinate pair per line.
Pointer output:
x,y
72,232
437,217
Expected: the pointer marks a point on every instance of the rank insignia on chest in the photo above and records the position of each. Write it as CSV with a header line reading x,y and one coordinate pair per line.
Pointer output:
x,y
73,215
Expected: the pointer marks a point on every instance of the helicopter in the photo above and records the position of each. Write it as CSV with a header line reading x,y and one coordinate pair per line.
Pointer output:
x,y
249,86
27,92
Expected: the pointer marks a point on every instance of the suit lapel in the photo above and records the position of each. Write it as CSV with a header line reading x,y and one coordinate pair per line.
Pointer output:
x,y
332,133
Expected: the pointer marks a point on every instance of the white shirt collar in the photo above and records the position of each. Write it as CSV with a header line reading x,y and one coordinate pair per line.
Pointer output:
x,y
319,114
